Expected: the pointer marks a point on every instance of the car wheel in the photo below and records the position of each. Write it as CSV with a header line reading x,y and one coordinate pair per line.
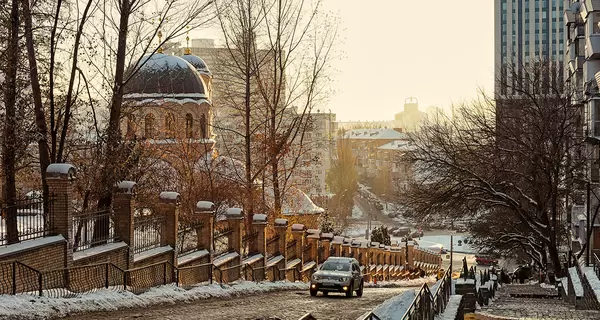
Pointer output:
x,y
313,292
359,292
350,292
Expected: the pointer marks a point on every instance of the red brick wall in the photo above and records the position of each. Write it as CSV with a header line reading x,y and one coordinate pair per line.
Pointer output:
x,y
118,257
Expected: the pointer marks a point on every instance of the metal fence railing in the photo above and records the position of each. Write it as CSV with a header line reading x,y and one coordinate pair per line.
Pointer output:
x,y
34,218
70,282
92,229
147,231
188,236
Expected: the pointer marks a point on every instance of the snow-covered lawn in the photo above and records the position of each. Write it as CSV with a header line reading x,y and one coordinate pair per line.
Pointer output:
x,y
394,308
34,307
357,213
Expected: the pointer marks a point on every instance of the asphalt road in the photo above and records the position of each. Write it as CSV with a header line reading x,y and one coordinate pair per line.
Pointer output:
x,y
274,305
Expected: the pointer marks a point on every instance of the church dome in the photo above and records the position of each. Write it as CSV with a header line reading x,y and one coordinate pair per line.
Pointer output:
x,y
197,62
164,76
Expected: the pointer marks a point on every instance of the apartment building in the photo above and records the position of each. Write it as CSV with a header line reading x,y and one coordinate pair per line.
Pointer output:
x,y
526,32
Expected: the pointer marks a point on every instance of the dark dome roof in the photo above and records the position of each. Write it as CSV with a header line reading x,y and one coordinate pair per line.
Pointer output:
x,y
197,62
164,75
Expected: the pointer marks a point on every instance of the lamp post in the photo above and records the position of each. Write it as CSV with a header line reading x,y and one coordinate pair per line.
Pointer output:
x,y
452,232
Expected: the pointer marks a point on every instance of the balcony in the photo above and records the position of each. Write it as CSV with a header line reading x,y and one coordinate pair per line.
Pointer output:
x,y
592,47
569,17
576,64
592,5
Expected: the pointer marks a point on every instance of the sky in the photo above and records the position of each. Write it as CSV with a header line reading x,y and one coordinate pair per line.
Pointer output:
x,y
439,51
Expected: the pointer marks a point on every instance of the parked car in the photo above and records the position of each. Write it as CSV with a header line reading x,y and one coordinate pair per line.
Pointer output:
x,y
401,232
338,274
486,261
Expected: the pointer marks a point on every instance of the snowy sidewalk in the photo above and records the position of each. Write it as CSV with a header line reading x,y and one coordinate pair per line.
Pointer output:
x,y
35,307
451,308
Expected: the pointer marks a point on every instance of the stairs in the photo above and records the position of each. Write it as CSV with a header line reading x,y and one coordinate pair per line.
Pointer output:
x,y
515,301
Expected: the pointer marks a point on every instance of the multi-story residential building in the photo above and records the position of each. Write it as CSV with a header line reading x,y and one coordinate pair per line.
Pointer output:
x,y
526,32
372,150
582,71
318,156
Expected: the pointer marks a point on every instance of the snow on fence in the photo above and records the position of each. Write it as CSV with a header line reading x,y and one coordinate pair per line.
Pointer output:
x,y
576,282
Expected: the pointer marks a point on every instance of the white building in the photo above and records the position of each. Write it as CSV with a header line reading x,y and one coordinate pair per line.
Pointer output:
x,y
526,31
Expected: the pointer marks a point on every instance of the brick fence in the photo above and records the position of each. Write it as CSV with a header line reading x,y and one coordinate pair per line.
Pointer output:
x,y
134,249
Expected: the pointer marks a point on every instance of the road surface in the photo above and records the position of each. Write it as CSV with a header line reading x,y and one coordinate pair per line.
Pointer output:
x,y
274,305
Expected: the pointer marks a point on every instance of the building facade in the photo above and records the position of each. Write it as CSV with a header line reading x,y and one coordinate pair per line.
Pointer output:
x,y
526,32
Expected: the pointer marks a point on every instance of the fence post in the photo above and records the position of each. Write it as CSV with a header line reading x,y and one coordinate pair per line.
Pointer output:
x,y
14,278
60,178
409,253
106,276
40,283
125,279
124,204
169,207
298,235
164,273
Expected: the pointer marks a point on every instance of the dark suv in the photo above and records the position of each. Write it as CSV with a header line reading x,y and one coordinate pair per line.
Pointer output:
x,y
338,274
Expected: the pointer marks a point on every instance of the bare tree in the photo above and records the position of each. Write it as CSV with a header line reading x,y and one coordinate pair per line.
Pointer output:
x,y
502,165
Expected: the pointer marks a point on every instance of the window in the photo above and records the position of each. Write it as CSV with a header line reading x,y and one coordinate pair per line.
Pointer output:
x,y
203,130
169,125
149,131
130,125
596,24
189,126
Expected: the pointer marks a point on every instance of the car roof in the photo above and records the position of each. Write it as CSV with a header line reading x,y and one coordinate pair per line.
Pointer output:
x,y
345,259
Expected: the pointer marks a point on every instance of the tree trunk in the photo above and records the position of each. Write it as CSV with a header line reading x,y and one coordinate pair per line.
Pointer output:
x,y
40,115
10,126
110,155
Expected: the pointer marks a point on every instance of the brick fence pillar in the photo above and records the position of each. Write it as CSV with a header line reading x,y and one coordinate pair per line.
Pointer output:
x,y
124,208
313,239
259,225
60,178
298,235
281,226
205,212
326,243
235,220
410,254
169,207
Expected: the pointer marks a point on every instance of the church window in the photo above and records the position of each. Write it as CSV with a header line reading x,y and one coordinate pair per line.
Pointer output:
x,y
203,128
189,125
149,131
169,125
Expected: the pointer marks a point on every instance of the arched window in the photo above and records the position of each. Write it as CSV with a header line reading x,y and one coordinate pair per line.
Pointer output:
x,y
189,126
169,125
130,125
149,131
203,128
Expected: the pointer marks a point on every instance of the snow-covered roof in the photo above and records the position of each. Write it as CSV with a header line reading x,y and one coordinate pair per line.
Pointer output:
x,y
281,222
56,170
197,62
375,134
222,167
234,213
203,206
259,218
169,196
398,145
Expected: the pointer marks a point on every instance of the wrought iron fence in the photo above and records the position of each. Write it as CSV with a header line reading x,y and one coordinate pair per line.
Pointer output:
x,y
247,241
221,241
73,281
147,231
188,236
290,250
93,229
34,218
273,246
421,307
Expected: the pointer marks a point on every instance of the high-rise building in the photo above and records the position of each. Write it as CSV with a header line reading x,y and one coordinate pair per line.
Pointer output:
x,y
526,32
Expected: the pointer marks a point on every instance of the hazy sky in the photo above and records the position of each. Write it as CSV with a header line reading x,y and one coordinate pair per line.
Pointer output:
x,y
437,50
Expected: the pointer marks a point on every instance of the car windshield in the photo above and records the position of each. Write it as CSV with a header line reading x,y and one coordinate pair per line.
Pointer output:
x,y
336,266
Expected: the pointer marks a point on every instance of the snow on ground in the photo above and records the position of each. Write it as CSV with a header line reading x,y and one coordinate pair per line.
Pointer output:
x,y
403,283
576,282
451,308
434,288
34,307
394,308
357,213
443,241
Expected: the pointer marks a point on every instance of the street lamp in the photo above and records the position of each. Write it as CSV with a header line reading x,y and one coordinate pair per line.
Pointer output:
x,y
452,233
